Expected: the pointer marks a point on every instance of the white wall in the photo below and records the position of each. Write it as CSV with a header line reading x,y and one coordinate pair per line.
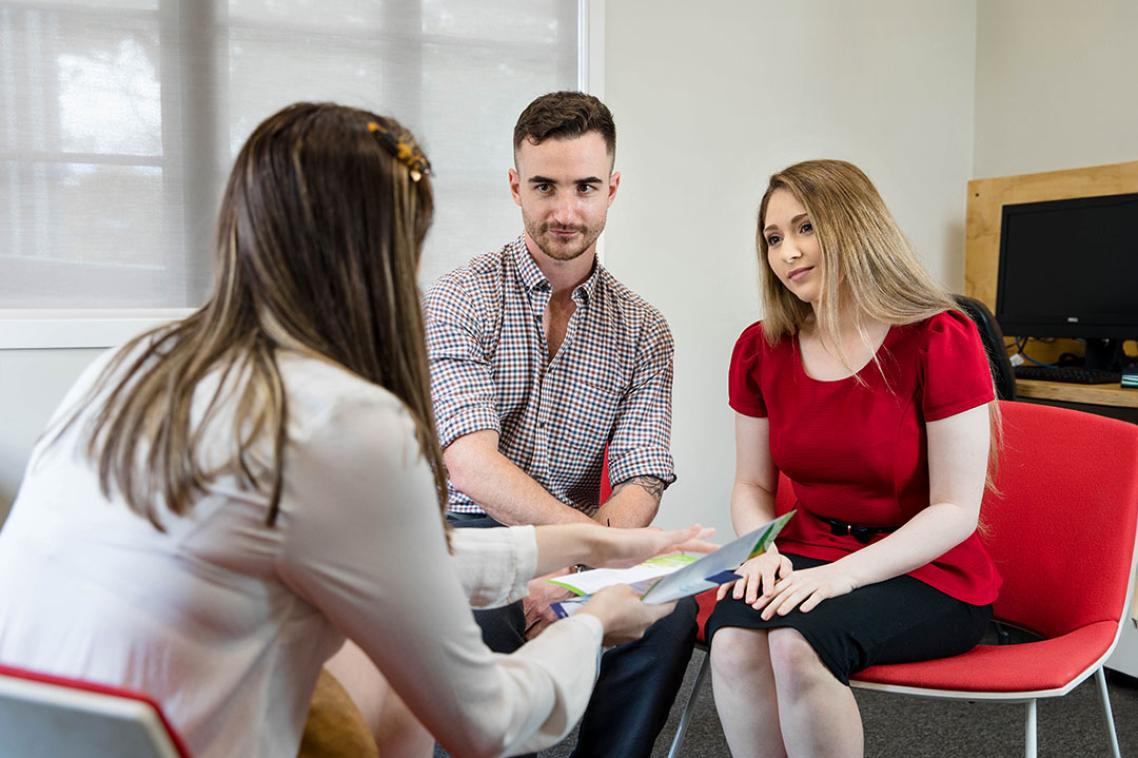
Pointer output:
x,y
710,99
1056,85
32,384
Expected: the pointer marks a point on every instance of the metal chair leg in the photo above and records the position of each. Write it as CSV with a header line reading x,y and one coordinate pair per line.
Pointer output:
x,y
678,740
1031,746
1100,677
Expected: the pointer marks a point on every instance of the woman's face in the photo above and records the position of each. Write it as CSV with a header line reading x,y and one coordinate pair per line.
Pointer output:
x,y
793,252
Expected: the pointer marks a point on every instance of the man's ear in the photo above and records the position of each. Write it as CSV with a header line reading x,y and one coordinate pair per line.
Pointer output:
x,y
614,184
516,186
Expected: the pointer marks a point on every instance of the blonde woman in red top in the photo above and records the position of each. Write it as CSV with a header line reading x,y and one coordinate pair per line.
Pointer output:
x,y
867,388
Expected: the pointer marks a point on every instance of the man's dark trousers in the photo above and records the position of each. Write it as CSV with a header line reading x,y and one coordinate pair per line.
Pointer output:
x,y
637,683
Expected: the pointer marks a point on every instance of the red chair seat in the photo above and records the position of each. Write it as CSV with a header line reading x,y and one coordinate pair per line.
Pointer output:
x,y
1027,667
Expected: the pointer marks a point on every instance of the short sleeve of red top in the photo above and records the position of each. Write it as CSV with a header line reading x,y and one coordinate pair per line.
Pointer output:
x,y
858,452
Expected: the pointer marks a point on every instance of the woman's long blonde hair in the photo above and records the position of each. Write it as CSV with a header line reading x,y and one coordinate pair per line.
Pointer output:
x,y
870,270
868,261
318,243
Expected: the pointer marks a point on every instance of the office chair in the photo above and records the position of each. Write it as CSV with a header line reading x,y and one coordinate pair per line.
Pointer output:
x,y
43,715
1068,484
993,338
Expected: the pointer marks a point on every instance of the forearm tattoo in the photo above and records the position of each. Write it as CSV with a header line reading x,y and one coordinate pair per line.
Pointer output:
x,y
650,484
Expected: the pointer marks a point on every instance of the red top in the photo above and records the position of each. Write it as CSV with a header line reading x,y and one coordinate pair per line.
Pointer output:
x,y
858,453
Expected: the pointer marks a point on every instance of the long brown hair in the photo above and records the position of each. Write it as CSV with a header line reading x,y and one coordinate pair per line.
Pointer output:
x,y
870,269
318,243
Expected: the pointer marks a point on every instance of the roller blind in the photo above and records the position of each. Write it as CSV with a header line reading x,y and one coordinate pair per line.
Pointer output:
x,y
119,120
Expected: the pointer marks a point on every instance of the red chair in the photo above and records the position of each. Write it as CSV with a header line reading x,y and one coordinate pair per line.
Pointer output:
x,y
1062,534
43,715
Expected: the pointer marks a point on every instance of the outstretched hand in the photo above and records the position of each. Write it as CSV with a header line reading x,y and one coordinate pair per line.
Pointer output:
x,y
620,548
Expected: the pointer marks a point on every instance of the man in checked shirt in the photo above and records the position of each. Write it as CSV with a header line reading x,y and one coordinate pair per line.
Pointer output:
x,y
540,360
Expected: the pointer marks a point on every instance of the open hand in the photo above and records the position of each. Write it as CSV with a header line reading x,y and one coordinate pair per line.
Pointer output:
x,y
620,548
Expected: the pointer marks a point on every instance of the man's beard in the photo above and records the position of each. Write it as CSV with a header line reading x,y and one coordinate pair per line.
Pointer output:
x,y
562,251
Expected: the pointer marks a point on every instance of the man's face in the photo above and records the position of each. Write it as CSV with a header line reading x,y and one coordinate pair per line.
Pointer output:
x,y
564,188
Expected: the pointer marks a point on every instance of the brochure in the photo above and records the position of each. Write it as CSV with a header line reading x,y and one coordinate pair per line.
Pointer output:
x,y
669,577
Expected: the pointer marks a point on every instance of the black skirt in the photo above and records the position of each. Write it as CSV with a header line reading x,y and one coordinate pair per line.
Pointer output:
x,y
900,620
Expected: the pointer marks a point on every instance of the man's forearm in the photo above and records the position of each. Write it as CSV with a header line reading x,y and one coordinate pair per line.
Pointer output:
x,y
501,488
633,503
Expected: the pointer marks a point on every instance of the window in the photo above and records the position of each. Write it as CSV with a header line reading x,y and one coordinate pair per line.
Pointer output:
x,y
119,120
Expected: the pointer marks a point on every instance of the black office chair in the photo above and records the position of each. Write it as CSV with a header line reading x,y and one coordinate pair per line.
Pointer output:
x,y
993,338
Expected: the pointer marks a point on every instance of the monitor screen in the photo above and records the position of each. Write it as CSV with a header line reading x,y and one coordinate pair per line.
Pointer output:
x,y
1069,268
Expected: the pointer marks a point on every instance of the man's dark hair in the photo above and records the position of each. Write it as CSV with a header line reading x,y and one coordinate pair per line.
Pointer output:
x,y
563,115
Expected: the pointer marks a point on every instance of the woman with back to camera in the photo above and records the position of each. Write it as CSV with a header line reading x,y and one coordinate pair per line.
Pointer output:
x,y
867,389
219,503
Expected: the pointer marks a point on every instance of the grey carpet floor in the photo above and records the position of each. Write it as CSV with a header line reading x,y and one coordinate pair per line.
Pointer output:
x,y
905,727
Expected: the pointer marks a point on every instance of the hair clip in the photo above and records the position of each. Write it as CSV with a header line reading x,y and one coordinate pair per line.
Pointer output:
x,y
403,146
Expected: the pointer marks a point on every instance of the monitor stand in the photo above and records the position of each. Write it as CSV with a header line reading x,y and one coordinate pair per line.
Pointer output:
x,y
1104,354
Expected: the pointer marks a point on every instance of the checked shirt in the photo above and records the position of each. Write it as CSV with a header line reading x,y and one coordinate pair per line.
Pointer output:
x,y
610,383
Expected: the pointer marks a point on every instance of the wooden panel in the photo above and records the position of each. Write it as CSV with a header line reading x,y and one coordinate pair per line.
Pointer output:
x,y
1093,394
986,198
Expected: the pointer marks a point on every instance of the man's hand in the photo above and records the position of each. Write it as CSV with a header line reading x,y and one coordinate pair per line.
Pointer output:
x,y
542,594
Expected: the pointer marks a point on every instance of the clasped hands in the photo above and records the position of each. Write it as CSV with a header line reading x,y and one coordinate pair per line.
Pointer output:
x,y
770,584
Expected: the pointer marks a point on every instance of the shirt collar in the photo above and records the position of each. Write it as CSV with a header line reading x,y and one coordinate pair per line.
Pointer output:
x,y
534,280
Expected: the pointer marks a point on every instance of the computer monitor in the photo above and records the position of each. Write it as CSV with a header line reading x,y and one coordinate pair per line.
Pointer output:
x,y
1069,268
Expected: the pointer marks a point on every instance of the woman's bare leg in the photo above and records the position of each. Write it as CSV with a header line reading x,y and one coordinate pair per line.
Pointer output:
x,y
745,694
396,730
818,714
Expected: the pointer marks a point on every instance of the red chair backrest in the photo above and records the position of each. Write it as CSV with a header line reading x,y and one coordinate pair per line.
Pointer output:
x,y
606,485
1062,530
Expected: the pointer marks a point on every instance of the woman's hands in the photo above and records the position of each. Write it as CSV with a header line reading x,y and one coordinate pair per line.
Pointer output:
x,y
805,589
620,548
770,584
758,578
562,544
623,615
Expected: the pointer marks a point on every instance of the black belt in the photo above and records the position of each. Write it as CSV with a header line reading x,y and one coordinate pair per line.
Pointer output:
x,y
859,532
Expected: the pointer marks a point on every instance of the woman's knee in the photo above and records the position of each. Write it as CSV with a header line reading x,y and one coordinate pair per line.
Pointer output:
x,y
793,659
736,651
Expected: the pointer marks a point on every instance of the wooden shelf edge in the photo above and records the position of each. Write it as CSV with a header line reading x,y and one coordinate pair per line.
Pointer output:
x,y
1091,394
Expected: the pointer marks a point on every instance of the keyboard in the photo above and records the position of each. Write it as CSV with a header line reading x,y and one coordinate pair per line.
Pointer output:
x,y
1070,374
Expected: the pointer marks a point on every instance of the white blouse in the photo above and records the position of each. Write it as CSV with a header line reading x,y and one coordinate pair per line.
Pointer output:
x,y
227,622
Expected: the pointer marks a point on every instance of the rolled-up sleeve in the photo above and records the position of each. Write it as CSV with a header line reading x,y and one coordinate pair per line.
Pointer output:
x,y
462,382
495,565
641,441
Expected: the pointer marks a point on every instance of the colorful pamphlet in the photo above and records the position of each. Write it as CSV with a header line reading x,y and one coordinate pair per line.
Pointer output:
x,y
670,577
